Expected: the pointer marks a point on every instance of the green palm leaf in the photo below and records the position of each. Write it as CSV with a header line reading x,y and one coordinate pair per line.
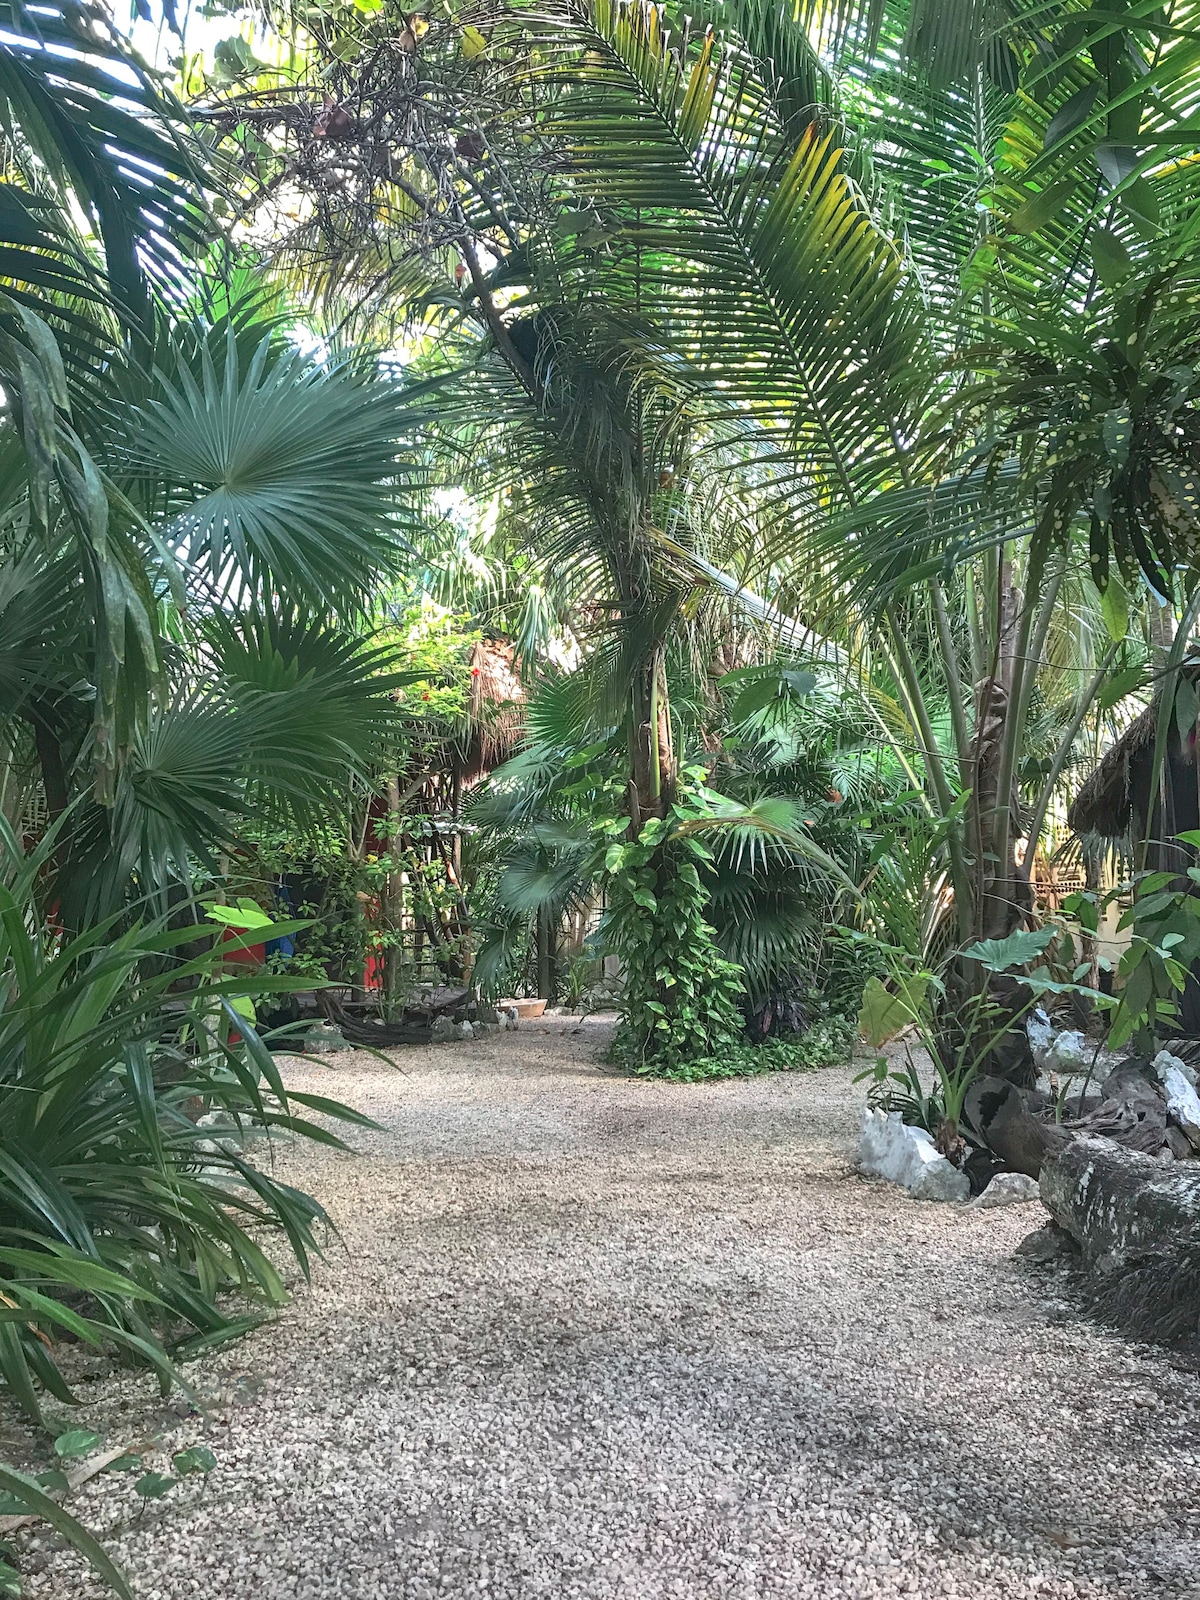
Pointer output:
x,y
82,116
278,470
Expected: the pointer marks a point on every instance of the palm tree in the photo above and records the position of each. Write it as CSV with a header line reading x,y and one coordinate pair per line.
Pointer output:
x,y
100,206
904,252
193,518
257,496
101,183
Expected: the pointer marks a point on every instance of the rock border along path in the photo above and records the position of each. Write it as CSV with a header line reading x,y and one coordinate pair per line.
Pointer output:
x,y
594,1339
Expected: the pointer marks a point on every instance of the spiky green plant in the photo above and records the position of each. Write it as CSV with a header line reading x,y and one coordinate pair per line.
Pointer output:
x,y
124,1223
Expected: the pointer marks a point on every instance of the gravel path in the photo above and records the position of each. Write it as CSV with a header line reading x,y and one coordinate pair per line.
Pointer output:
x,y
598,1338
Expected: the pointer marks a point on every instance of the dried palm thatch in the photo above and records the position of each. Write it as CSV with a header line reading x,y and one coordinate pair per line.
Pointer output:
x,y
1106,803
1113,803
496,710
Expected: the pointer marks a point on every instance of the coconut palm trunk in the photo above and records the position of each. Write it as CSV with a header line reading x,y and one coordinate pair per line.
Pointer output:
x,y
1002,893
653,770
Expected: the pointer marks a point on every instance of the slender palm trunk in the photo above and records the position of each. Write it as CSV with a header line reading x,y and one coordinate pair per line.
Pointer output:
x,y
652,755
546,934
53,767
393,904
995,911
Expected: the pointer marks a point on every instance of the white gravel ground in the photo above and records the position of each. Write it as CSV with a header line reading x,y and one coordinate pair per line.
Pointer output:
x,y
597,1338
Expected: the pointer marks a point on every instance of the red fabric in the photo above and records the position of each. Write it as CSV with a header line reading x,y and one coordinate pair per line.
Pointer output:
x,y
253,955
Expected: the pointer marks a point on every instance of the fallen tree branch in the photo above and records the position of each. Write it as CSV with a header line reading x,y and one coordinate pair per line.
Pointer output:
x,y
1137,1223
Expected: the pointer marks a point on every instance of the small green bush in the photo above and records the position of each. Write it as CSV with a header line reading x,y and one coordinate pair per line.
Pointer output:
x,y
825,1044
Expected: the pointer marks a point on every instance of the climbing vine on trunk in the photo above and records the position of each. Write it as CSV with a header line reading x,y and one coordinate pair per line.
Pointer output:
x,y
681,996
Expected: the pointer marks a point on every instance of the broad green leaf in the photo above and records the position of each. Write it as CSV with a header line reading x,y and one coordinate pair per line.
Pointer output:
x,y
1071,115
1110,257
755,697
154,1485
1117,162
1042,208
1016,950
885,1012
77,1442
1114,608
1084,907
242,916
1141,202
233,57
797,681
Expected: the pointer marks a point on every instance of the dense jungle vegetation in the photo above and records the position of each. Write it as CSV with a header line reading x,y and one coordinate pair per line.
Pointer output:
x,y
799,404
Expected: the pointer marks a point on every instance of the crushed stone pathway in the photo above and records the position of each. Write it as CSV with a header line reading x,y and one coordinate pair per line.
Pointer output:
x,y
595,1339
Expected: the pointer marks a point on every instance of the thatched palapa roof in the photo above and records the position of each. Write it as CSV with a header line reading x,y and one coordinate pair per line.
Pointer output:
x,y
496,710
1105,804
1109,802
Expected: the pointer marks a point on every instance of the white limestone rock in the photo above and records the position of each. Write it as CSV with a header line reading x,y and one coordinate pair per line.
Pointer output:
x,y
1040,1032
1069,1054
1007,1189
1183,1103
889,1148
1189,1072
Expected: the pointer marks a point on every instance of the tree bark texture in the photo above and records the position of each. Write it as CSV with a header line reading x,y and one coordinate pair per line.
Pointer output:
x,y
1133,1115
1137,1223
1003,896
653,756
1118,1202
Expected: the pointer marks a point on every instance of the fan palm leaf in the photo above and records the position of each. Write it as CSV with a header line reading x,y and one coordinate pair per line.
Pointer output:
x,y
274,471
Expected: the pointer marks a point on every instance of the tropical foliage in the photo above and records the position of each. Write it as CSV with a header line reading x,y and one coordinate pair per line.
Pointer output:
x,y
869,310
804,400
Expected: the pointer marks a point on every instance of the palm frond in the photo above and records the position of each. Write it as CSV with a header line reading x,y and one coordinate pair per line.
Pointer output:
x,y
90,130
275,471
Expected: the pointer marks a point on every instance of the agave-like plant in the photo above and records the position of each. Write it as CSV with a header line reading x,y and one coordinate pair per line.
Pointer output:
x,y
124,1222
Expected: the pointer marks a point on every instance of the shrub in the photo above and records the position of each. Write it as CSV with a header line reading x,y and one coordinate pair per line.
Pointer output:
x,y
122,1222
825,1043
680,1000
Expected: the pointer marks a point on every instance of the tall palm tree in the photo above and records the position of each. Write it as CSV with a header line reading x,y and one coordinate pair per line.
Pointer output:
x,y
925,257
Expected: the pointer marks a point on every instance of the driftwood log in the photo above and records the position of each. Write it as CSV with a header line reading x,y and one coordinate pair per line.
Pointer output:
x,y
997,1111
1137,1223
1133,1114
1120,1203
361,1030
413,1028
